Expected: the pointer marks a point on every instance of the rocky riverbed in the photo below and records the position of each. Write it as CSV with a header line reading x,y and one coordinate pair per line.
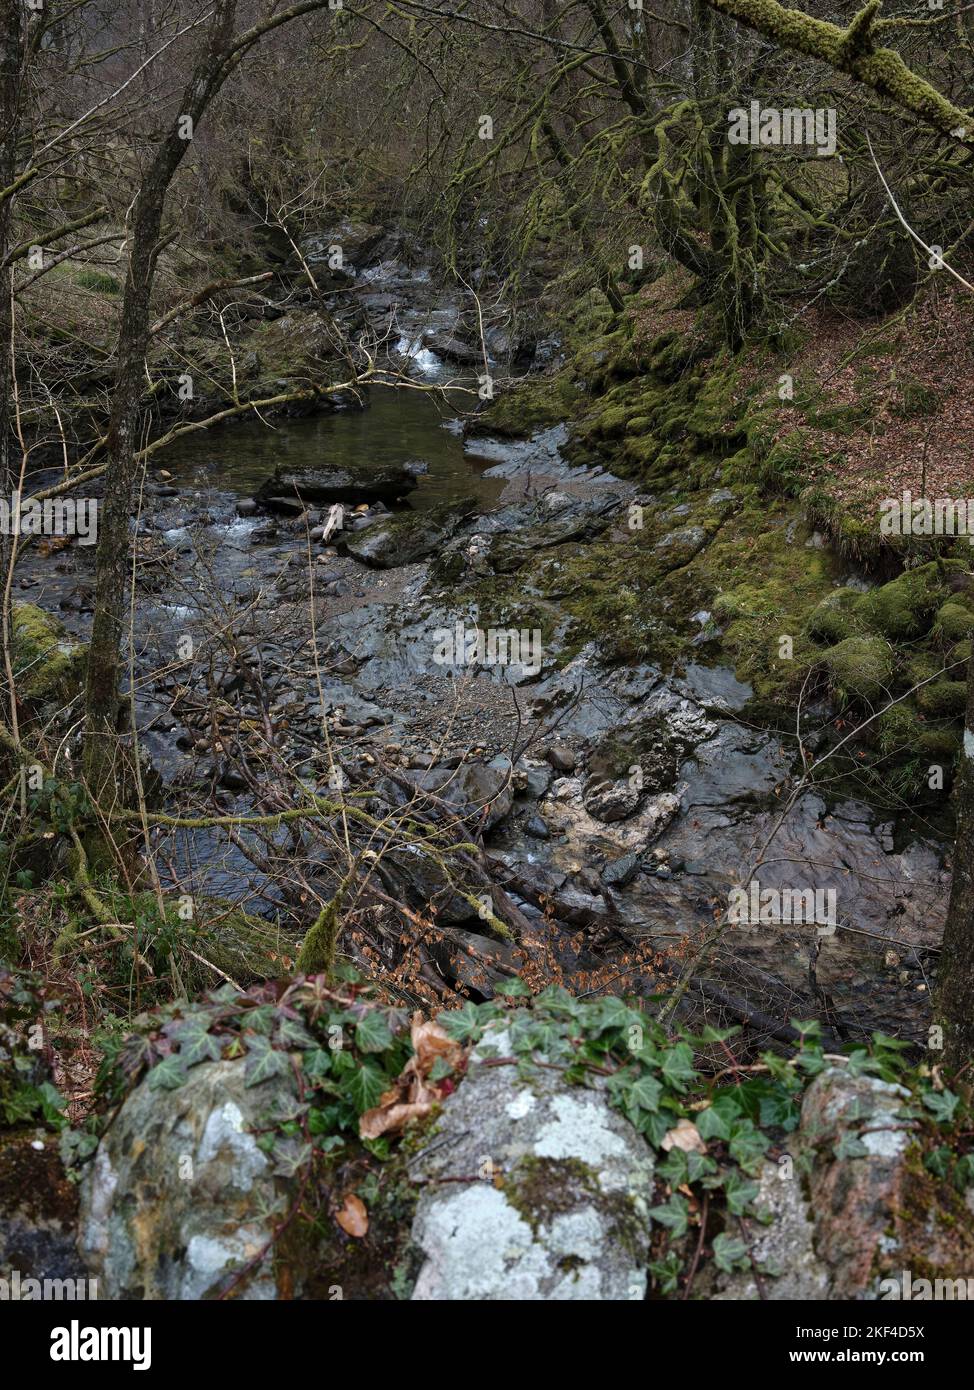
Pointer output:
x,y
351,556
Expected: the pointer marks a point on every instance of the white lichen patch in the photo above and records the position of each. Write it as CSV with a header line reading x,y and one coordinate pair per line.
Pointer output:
x,y
521,1105
225,1132
579,1131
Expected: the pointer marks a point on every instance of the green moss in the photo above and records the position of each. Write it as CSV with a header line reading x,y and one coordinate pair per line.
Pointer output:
x,y
612,422
841,419
317,954
98,281
916,399
939,745
943,699
48,663
541,1189
899,729
904,608
832,621
860,668
954,621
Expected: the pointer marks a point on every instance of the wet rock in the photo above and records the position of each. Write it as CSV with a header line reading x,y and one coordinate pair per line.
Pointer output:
x,y
179,1194
537,828
561,758
453,349
612,801
532,779
621,870
393,541
565,1214
367,481
359,242
247,506
474,962
678,547
482,792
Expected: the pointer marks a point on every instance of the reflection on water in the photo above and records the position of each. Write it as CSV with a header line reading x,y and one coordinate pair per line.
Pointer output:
x,y
399,424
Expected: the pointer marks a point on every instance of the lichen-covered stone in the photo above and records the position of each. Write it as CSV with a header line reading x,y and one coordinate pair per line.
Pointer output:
x,y
179,1195
877,1211
532,1190
782,1242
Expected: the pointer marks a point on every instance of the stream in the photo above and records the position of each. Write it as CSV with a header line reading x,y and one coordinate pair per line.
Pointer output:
x,y
600,868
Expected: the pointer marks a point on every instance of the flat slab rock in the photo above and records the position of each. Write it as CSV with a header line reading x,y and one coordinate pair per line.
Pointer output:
x,y
533,1190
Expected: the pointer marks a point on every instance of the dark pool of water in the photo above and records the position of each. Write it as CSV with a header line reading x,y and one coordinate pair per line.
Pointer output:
x,y
398,424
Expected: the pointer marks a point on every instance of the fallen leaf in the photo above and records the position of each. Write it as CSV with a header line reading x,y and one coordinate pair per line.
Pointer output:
x,y
390,1119
353,1217
685,1136
414,1095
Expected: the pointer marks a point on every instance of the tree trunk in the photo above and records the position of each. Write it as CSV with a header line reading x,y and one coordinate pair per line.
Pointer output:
x,y
112,563
11,73
955,993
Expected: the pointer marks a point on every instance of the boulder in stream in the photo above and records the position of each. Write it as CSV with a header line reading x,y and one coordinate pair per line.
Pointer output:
x,y
409,536
365,481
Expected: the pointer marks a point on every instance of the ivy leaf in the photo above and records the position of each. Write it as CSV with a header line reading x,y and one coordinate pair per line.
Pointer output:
x,y
261,1019
372,1033
263,1061
513,988
666,1272
747,1144
941,1105
850,1146
463,1024
611,1012
291,1033
167,1075
365,1086
678,1068
645,1093
740,1193
730,1252
317,1063
673,1169
290,1157
196,1042
674,1214
716,1120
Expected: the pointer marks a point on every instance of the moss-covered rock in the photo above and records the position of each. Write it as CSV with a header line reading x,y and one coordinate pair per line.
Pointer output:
x,y
48,663
943,699
898,729
860,668
954,621
939,745
904,608
832,621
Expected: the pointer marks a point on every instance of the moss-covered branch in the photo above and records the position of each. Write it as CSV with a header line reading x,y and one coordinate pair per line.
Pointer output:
x,y
852,51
